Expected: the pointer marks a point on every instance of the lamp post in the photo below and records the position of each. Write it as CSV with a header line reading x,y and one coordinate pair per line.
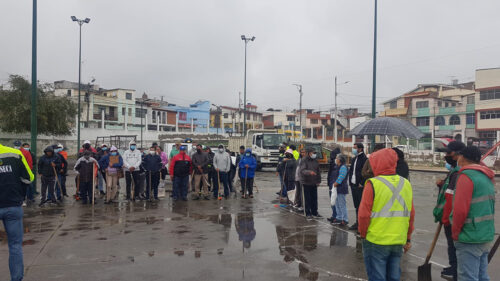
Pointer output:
x,y
374,87
246,39
34,129
80,23
335,114
299,87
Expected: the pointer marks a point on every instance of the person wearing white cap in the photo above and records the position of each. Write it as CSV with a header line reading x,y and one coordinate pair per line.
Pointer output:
x,y
132,159
111,163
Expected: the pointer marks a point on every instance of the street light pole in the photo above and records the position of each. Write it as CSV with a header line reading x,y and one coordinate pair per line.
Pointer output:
x,y
34,129
246,39
80,23
335,114
299,87
374,87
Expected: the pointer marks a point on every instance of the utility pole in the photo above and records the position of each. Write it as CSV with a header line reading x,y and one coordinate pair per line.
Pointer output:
x,y
244,38
142,117
374,87
239,112
34,95
299,87
335,113
80,23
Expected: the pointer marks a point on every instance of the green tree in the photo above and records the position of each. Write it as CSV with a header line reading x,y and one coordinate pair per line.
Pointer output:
x,y
55,115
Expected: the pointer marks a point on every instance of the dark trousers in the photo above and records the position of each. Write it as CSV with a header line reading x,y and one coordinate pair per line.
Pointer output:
x,y
247,185
357,193
311,199
180,187
164,173
48,183
128,181
452,252
86,192
224,180
298,194
152,182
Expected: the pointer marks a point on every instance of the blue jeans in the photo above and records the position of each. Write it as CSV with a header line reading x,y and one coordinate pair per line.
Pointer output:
x,y
12,218
224,179
180,187
472,261
341,208
382,262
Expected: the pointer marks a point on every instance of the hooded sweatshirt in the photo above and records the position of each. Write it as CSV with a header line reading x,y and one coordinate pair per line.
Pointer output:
x,y
222,161
383,162
250,161
132,158
463,196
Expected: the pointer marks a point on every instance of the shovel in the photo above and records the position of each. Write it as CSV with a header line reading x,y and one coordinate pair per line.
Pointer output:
x,y
494,249
424,271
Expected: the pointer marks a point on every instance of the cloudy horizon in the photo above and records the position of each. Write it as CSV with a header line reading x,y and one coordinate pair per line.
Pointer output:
x,y
191,50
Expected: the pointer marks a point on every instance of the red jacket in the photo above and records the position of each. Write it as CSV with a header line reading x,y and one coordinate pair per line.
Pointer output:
x,y
27,155
383,162
463,197
180,156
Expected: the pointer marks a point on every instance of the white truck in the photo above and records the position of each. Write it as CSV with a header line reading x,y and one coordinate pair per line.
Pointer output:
x,y
264,143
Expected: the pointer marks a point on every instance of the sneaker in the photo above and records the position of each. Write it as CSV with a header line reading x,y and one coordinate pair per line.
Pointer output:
x,y
448,273
251,195
309,217
330,219
317,216
300,209
354,227
42,203
336,222
196,197
207,198
343,223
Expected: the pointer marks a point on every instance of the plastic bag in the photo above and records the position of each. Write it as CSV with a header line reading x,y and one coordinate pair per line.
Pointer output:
x,y
333,196
291,195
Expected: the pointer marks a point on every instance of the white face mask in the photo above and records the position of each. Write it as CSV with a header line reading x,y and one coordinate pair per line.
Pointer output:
x,y
314,155
221,150
152,152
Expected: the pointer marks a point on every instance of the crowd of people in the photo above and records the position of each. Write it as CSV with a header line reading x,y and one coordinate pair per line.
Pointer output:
x,y
379,184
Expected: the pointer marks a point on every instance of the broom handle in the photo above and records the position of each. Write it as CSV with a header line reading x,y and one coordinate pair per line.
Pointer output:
x,y
494,249
431,250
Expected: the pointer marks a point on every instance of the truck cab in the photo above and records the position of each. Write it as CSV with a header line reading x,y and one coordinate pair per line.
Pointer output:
x,y
265,147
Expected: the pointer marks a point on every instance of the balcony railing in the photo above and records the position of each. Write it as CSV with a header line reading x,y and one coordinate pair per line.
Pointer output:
x,y
97,116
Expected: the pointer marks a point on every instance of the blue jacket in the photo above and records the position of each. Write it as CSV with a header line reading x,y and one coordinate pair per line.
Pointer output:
x,y
339,175
104,162
252,165
152,163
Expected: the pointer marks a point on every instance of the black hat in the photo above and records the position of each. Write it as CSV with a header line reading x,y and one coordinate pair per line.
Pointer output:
x,y
455,146
471,153
17,143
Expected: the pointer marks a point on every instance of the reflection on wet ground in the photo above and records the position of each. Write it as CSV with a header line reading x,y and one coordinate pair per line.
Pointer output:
x,y
209,240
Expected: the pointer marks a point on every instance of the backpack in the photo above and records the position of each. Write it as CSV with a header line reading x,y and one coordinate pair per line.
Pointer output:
x,y
181,168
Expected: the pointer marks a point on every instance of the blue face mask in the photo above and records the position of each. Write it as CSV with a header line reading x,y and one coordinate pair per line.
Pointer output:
x,y
132,147
247,154
27,148
113,153
354,152
104,148
58,150
448,167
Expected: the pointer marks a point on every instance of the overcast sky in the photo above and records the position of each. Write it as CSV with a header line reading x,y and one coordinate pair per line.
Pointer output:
x,y
187,50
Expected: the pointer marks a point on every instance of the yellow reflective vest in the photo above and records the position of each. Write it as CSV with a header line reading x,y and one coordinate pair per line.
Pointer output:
x,y
391,210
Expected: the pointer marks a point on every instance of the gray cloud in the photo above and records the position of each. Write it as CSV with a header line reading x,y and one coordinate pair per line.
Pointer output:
x,y
189,50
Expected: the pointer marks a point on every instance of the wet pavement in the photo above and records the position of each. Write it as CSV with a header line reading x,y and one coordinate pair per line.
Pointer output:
x,y
235,239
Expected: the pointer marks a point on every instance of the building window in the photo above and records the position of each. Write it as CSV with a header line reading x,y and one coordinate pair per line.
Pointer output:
x,y
422,121
440,103
470,118
471,100
140,113
68,93
164,117
454,120
248,116
226,115
123,111
446,104
324,122
393,104
439,121
183,116
130,112
492,114
153,116
422,104
489,95
128,96
487,135
290,118
314,121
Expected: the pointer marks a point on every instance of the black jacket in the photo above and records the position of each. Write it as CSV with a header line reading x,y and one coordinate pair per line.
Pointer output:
x,y
402,169
332,167
86,168
14,178
289,167
357,170
44,165
64,165
151,163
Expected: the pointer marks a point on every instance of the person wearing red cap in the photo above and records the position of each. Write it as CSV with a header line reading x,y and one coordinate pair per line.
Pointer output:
x,y
180,169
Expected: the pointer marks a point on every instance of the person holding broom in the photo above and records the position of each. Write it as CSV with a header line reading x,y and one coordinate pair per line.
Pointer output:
x,y
85,168
247,166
